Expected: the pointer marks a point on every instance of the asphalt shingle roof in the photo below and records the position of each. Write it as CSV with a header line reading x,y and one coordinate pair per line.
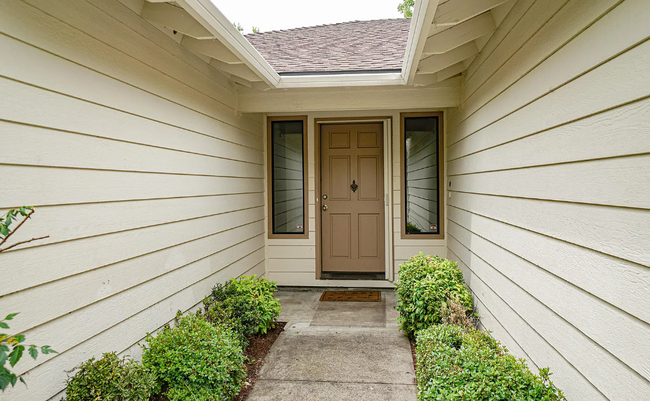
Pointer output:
x,y
345,47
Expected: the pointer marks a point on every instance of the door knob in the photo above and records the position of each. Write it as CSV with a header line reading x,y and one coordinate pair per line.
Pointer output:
x,y
325,207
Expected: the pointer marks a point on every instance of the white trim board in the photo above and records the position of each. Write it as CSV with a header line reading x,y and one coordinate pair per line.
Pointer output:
x,y
343,99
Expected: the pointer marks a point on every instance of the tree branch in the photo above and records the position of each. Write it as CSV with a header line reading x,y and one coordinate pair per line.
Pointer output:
x,y
17,227
22,242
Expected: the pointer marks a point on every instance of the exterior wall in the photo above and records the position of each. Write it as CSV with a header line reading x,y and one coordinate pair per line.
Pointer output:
x,y
149,184
293,261
548,160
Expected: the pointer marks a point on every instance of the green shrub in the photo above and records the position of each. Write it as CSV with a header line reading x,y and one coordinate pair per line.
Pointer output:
x,y
196,360
456,364
111,378
425,285
247,305
454,312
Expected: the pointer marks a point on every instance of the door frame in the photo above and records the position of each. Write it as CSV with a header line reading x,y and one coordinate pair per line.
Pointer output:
x,y
387,122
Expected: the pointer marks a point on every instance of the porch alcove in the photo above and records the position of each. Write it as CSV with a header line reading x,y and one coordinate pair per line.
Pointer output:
x,y
139,131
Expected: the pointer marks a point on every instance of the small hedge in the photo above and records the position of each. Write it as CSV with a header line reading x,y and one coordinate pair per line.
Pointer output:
x,y
247,305
456,364
426,283
196,360
111,378
200,359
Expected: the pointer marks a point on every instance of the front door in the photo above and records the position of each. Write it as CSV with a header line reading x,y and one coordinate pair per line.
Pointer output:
x,y
352,204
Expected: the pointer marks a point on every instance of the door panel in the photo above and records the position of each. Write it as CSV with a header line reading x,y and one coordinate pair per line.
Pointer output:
x,y
341,235
368,140
340,168
353,222
369,235
368,178
339,140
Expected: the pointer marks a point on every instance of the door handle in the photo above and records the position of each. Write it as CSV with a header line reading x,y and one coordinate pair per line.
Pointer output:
x,y
324,208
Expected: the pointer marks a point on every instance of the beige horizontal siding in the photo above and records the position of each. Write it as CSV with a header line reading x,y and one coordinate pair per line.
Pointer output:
x,y
548,159
148,182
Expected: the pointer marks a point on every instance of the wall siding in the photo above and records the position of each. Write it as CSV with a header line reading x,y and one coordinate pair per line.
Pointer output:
x,y
548,158
149,183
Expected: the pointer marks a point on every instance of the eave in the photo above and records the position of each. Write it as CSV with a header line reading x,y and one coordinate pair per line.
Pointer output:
x,y
208,15
444,38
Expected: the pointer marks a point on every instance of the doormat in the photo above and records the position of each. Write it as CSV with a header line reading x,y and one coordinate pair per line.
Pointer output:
x,y
351,296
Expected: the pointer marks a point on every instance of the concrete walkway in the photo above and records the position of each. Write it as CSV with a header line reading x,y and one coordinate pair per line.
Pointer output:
x,y
337,351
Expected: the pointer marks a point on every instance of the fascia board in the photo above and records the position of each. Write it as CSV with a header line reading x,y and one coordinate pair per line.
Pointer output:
x,y
324,81
214,21
423,14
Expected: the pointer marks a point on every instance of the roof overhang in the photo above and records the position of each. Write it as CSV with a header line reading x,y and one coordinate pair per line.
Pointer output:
x,y
206,13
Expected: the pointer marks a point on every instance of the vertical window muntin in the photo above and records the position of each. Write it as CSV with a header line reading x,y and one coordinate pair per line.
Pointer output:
x,y
421,184
287,161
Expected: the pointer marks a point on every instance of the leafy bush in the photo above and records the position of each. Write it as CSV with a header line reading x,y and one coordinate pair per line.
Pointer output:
x,y
111,378
425,285
455,364
454,312
11,350
13,215
247,305
196,360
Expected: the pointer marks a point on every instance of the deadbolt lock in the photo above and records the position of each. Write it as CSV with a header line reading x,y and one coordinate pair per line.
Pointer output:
x,y
325,207
324,196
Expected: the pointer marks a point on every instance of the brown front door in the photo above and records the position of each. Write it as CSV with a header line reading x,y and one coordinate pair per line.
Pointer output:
x,y
352,191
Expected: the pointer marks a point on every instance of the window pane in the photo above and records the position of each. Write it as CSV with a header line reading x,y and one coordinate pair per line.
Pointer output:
x,y
421,175
288,193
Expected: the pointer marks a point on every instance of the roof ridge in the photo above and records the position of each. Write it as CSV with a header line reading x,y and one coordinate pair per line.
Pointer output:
x,y
325,25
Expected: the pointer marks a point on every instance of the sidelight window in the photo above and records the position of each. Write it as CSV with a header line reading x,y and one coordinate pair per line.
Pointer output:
x,y
422,175
287,181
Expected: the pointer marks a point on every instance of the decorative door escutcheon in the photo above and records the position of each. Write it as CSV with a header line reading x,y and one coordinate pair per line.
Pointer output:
x,y
354,186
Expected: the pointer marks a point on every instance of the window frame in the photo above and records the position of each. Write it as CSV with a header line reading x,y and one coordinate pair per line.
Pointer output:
x,y
441,177
269,176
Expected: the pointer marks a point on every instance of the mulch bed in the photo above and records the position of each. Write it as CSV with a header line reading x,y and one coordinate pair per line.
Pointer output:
x,y
258,347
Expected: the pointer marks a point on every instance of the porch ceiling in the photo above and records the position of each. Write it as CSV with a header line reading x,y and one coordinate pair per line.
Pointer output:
x,y
457,32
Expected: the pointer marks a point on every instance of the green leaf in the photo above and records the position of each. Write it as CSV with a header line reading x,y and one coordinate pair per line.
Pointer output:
x,y
15,355
4,379
33,351
11,316
4,325
3,357
47,350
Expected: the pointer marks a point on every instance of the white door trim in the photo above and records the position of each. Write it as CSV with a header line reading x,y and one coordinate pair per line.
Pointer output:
x,y
388,187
